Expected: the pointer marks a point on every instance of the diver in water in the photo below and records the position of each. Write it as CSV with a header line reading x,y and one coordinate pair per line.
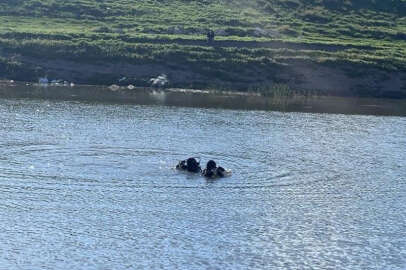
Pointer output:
x,y
190,165
212,171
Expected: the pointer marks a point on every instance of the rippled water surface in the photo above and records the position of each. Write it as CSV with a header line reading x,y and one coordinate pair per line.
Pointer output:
x,y
92,186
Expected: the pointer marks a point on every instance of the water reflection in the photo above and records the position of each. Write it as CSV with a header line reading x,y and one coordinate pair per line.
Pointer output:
x,y
211,99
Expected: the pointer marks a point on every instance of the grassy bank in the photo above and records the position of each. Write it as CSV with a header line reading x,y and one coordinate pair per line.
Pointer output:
x,y
257,43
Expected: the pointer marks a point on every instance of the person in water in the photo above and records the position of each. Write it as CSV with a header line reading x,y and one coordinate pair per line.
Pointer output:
x,y
190,165
212,171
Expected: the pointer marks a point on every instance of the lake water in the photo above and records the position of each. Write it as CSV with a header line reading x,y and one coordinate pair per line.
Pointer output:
x,y
92,186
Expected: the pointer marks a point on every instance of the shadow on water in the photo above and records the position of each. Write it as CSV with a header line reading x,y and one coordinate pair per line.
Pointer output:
x,y
209,99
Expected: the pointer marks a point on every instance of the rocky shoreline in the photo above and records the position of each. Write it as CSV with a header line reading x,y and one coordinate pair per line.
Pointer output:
x,y
306,77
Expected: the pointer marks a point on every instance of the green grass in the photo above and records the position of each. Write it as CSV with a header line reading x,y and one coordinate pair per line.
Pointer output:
x,y
364,32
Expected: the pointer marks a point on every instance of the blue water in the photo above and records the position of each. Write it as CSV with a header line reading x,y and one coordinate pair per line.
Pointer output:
x,y
92,186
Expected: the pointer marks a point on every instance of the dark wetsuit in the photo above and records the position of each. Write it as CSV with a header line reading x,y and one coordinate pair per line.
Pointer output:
x,y
190,165
181,165
212,171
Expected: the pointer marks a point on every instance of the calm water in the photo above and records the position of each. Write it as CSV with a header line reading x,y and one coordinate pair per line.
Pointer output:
x,y
92,186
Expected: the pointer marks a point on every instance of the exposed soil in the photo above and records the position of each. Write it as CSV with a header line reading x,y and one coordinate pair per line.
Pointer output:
x,y
300,75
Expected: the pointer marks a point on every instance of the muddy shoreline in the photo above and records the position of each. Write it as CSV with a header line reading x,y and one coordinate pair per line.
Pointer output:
x,y
305,76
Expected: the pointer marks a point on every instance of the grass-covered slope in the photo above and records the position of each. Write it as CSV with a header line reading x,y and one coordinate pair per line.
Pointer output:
x,y
332,45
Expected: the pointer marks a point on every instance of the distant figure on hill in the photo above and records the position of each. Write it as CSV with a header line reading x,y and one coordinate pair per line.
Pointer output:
x,y
210,36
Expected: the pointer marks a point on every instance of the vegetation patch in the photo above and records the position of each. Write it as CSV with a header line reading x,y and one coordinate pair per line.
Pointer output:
x,y
263,36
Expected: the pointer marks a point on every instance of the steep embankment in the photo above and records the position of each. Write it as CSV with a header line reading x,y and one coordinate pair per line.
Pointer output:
x,y
331,46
